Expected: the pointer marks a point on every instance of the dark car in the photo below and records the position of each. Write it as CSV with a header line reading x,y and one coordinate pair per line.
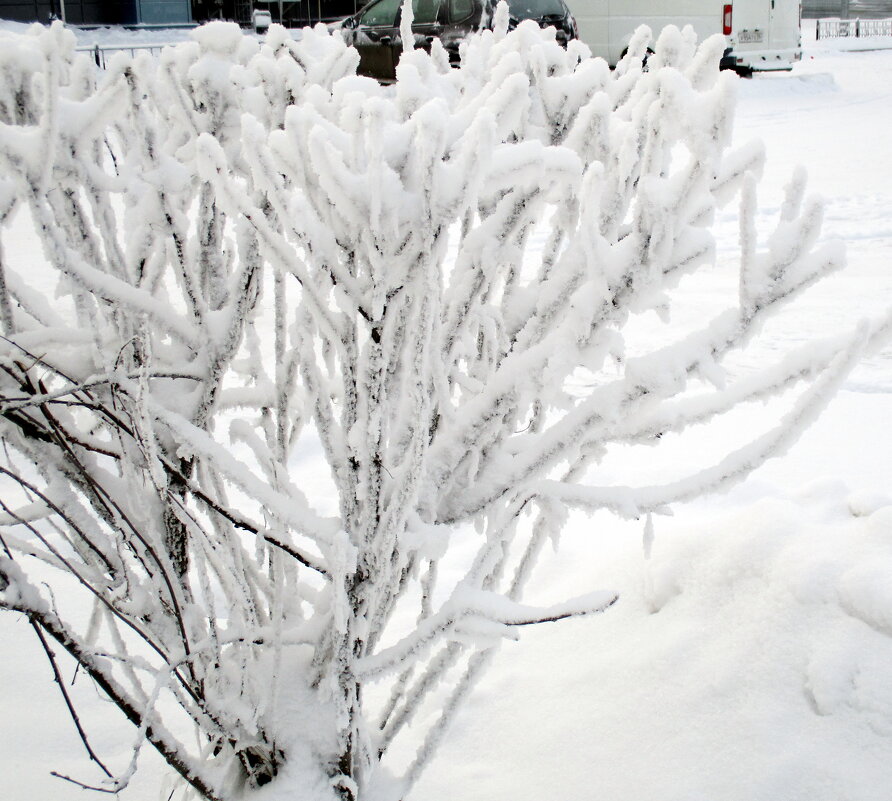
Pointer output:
x,y
375,30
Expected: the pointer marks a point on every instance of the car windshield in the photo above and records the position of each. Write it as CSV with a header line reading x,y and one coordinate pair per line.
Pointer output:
x,y
536,9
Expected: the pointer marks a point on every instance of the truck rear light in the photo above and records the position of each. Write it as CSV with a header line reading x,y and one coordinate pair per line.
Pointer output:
x,y
726,20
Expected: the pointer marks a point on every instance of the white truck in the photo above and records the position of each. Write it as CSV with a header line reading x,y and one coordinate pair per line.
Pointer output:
x,y
760,34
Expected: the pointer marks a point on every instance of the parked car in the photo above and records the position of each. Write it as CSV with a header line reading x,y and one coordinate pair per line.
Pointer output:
x,y
375,30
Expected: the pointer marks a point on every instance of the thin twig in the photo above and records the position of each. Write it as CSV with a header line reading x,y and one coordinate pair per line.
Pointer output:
x,y
108,790
57,677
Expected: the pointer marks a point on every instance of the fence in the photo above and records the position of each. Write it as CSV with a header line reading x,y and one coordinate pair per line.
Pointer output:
x,y
854,28
101,53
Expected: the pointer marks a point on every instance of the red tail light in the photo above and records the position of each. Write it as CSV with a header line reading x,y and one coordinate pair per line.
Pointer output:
x,y
726,20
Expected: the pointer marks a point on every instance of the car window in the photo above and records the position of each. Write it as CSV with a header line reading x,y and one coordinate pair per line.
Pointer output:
x,y
425,11
382,13
460,9
535,9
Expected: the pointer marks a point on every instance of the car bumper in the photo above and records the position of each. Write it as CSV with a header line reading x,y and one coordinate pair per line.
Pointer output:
x,y
761,60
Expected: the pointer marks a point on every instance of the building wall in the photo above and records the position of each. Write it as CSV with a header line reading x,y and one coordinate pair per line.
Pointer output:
x,y
26,10
95,12
869,9
297,13
99,12
163,12
815,9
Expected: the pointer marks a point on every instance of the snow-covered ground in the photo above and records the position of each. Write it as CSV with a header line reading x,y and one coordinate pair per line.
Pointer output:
x,y
749,657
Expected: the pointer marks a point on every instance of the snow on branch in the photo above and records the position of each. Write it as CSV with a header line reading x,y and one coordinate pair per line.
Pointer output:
x,y
299,373
466,614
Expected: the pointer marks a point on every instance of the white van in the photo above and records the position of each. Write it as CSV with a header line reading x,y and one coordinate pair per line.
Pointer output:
x,y
761,34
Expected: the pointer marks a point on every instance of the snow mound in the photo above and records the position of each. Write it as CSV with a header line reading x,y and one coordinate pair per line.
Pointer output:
x,y
747,659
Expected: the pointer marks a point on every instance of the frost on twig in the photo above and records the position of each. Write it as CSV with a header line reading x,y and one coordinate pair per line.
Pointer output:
x,y
294,339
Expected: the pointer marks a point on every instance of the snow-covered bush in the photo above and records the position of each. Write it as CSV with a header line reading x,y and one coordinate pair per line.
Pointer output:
x,y
295,338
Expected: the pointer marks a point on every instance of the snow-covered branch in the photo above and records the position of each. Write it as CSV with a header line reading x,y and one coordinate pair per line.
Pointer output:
x,y
294,339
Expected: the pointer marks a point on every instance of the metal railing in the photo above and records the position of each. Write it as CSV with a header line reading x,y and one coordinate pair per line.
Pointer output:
x,y
853,28
101,53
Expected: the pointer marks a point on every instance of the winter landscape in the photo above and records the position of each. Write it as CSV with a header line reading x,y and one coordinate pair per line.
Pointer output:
x,y
747,654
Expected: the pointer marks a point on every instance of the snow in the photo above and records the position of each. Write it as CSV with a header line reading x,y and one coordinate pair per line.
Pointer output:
x,y
748,655
743,661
